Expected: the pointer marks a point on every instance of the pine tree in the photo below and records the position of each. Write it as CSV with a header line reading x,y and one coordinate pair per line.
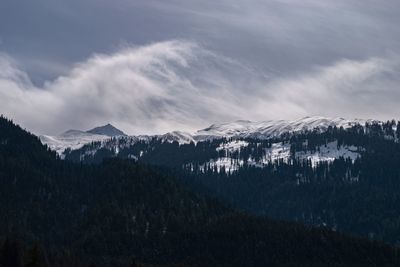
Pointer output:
x,y
11,254
34,257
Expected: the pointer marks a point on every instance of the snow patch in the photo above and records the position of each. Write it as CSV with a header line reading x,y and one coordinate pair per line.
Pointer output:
x,y
329,153
232,146
276,152
230,165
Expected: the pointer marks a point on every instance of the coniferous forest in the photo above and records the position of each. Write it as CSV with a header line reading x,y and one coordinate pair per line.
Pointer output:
x,y
356,196
121,212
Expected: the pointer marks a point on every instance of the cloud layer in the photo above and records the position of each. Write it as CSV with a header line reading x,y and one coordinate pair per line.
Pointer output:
x,y
285,36
179,85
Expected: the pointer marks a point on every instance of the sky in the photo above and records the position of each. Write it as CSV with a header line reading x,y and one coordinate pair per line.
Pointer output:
x,y
154,66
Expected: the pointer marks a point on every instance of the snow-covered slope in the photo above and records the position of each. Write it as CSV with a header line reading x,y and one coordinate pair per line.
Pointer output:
x,y
73,139
273,128
280,151
178,136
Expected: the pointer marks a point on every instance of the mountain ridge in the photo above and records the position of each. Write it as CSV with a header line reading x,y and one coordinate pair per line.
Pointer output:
x,y
237,129
275,128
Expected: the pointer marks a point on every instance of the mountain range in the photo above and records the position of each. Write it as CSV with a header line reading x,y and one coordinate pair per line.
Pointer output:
x,y
75,139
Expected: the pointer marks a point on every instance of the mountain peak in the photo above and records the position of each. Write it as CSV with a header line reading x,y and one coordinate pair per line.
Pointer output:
x,y
107,129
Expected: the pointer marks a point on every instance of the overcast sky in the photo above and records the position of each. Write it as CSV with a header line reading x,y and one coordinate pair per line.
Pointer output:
x,y
153,66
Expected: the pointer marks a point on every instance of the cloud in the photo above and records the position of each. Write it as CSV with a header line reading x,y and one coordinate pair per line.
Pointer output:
x,y
280,35
180,85
149,89
348,88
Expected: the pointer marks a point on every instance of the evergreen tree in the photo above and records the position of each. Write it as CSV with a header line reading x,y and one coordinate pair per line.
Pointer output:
x,y
11,254
34,257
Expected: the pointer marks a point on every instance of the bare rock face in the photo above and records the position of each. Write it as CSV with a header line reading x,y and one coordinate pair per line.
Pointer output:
x,y
108,130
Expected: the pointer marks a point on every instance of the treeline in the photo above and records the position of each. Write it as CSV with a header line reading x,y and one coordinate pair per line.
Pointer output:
x,y
14,253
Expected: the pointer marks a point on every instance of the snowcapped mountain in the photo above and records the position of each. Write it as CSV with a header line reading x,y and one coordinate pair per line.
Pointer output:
x,y
274,128
75,139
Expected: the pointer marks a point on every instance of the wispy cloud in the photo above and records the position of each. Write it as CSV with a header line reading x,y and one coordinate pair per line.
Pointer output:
x,y
348,88
180,85
154,88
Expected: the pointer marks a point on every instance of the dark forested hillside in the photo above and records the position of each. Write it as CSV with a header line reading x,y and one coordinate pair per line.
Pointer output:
x,y
344,179
59,213
358,196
